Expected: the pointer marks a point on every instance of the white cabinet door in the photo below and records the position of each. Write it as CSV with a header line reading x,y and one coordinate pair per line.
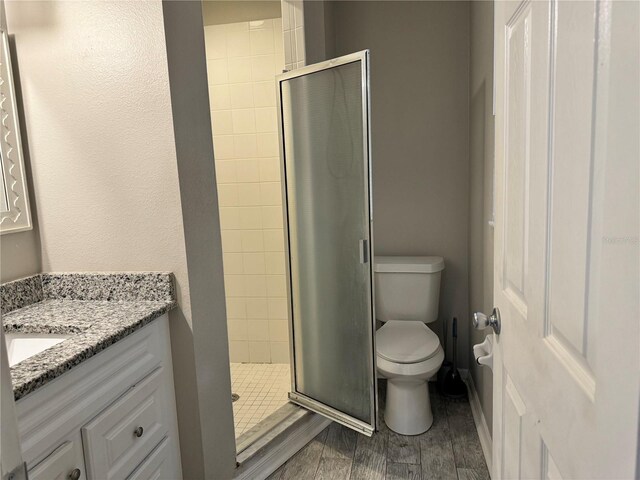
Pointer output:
x,y
125,433
66,462
566,366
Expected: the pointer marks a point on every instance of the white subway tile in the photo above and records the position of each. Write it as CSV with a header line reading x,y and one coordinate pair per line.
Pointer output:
x,y
219,97
252,241
272,217
225,171
276,286
239,352
255,285
241,95
277,37
273,240
249,194
279,352
258,24
263,67
253,263
232,263
274,263
270,193
278,330
245,146
231,240
250,218
257,307
215,41
222,122
238,43
270,169
237,328
258,330
234,285
239,70
299,38
288,44
266,119
236,307
277,309
229,218
279,62
228,195
223,147
244,121
236,27
264,94
259,352
286,25
248,171
217,71
298,8
262,40
267,144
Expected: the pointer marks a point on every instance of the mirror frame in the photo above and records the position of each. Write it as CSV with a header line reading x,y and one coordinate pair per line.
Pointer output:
x,y
17,217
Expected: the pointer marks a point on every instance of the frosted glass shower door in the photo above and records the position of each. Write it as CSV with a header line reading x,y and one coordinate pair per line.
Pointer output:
x,y
324,126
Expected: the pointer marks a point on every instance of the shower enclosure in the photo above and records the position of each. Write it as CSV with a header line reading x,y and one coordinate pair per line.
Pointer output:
x,y
326,183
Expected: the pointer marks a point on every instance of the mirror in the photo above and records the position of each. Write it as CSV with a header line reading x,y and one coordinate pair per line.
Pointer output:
x,y
14,199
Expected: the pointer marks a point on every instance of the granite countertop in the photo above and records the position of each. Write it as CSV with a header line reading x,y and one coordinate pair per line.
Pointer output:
x,y
96,309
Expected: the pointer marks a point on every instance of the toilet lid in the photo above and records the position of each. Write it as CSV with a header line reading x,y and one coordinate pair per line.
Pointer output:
x,y
403,341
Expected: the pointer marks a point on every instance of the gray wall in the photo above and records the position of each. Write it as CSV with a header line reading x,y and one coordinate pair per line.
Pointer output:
x,y
481,131
420,133
186,60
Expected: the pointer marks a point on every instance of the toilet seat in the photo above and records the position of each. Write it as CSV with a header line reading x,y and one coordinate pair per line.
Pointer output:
x,y
406,342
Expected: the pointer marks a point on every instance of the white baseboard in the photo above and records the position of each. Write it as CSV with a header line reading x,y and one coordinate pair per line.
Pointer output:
x,y
264,463
478,418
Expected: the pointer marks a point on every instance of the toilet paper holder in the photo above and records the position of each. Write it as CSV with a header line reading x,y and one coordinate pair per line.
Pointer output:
x,y
483,352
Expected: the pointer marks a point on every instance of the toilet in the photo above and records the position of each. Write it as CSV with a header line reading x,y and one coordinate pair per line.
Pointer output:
x,y
408,352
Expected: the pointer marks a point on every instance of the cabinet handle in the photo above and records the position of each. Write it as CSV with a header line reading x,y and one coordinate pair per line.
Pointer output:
x,y
138,432
75,474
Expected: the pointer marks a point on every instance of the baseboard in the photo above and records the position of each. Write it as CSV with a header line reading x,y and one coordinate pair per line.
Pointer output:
x,y
478,418
281,449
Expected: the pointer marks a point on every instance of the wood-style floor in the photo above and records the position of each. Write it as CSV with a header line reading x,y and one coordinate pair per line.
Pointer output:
x,y
449,450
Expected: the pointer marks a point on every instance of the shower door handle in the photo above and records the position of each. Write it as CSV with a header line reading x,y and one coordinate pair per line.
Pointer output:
x,y
364,251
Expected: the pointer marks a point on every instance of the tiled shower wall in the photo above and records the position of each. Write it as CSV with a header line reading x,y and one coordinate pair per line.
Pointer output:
x,y
242,61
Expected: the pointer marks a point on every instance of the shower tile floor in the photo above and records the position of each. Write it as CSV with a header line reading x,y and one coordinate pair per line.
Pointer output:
x,y
263,388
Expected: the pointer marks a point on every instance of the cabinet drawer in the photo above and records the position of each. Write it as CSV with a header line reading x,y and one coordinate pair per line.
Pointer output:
x,y
118,439
64,463
152,466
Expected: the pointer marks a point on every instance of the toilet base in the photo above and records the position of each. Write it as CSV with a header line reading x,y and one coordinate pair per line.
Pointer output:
x,y
408,407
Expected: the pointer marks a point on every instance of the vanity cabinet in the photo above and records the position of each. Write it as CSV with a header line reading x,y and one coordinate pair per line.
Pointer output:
x,y
113,416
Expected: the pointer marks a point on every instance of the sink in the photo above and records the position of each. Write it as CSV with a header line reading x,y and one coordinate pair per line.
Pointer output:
x,y
21,346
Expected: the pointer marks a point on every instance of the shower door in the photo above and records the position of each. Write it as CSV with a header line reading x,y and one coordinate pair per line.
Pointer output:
x,y
326,182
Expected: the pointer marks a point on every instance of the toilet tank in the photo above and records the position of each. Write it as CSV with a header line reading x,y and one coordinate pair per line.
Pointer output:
x,y
407,288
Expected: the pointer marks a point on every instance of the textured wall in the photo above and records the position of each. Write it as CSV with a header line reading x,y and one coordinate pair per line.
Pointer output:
x,y
420,131
99,124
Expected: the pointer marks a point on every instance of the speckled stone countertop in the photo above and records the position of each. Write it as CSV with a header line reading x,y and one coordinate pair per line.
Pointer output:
x,y
95,309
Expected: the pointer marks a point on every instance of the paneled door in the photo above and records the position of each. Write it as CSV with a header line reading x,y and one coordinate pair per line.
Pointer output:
x,y
567,361
324,138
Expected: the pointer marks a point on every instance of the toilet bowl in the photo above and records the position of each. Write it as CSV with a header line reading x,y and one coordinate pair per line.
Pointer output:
x,y
408,352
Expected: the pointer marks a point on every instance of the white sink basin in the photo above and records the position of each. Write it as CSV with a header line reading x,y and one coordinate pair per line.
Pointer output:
x,y
21,346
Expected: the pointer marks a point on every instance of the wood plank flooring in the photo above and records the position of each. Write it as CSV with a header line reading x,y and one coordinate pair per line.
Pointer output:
x,y
449,450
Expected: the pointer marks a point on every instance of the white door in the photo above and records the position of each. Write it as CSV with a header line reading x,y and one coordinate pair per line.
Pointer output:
x,y
567,362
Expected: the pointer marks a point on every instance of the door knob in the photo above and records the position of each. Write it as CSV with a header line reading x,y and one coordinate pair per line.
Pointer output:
x,y
481,321
75,474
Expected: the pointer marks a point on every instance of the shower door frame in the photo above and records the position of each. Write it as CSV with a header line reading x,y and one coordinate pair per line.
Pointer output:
x,y
366,251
